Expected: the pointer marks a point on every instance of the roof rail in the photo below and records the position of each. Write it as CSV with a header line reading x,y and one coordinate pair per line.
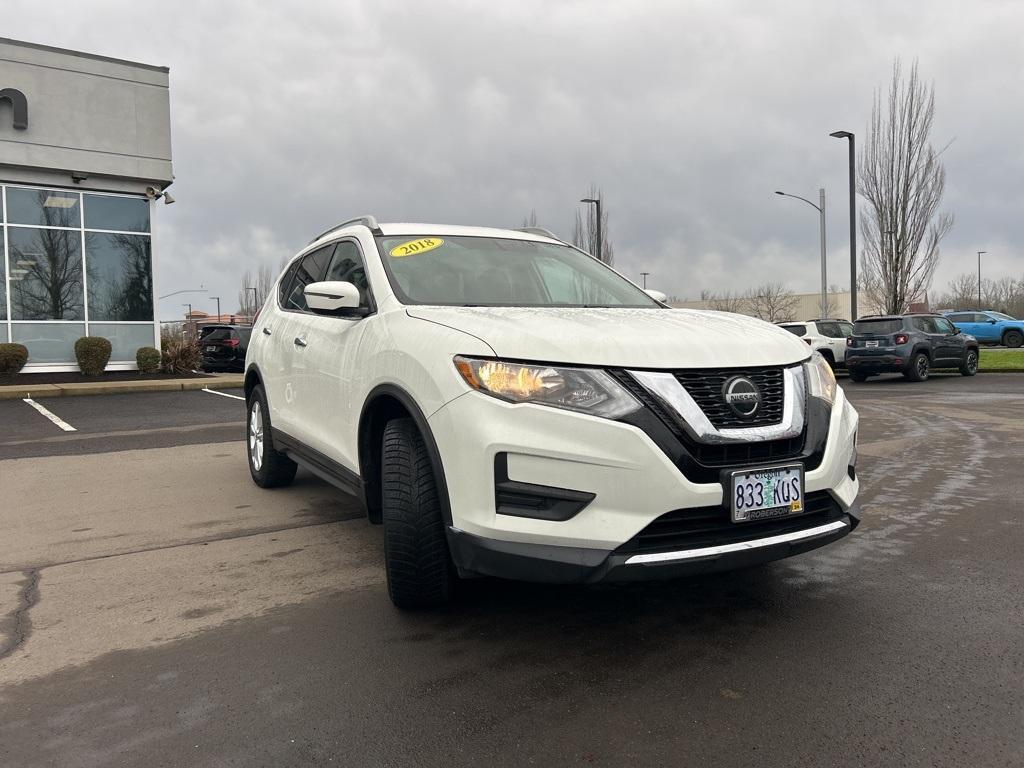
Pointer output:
x,y
539,231
367,221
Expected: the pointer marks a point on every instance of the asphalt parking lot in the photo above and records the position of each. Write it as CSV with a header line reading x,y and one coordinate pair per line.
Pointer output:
x,y
156,608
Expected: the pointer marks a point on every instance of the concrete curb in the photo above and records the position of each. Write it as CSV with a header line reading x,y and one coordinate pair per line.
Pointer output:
x,y
77,389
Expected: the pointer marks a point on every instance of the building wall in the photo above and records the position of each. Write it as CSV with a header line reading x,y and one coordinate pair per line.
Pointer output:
x,y
77,176
808,306
101,118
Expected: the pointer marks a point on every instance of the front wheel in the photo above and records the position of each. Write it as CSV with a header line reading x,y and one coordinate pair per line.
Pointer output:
x,y
969,367
269,467
919,368
419,568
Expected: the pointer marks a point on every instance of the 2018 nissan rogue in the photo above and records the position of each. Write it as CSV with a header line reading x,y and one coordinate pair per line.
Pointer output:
x,y
507,405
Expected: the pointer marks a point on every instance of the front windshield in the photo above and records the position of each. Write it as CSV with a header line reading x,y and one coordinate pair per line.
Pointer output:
x,y
496,272
1000,316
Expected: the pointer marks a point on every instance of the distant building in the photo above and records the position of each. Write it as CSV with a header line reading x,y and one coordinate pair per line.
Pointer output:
x,y
85,150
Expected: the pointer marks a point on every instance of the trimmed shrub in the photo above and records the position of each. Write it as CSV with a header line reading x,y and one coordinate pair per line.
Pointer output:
x,y
148,359
181,357
93,354
12,359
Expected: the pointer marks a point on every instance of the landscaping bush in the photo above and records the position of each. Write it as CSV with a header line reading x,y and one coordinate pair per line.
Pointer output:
x,y
181,357
12,359
93,354
148,359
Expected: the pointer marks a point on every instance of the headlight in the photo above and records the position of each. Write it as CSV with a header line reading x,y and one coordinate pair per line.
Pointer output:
x,y
821,380
576,389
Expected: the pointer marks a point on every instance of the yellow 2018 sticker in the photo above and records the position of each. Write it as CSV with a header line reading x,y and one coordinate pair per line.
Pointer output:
x,y
414,247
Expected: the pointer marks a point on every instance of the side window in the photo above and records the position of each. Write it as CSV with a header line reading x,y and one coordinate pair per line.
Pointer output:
x,y
285,284
943,325
962,317
922,324
847,329
831,330
310,269
348,266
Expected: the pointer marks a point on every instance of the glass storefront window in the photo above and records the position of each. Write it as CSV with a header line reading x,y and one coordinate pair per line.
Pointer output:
x,y
125,339
48,342
43,207
125,214
120,272
3,280
45,274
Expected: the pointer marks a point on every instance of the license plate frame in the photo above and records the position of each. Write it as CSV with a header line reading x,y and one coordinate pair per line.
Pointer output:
x,y
211,349
796,499
871,344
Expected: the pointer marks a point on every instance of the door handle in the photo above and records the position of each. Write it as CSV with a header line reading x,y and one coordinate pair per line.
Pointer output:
x,y
266,331
300,341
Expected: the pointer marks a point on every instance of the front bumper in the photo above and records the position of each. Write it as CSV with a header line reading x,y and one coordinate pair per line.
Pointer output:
x,y
580,565
633,482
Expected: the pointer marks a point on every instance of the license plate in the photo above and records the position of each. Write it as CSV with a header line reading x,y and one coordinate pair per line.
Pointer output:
x,y
760,494
211,349
870,343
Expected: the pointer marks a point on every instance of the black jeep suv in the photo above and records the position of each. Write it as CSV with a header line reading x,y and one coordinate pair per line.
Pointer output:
x,y
908,344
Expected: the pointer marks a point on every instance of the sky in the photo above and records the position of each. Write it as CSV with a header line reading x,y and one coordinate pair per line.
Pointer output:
x,y
290,117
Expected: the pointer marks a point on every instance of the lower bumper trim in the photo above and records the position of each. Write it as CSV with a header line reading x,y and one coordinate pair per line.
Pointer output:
x,y
725,549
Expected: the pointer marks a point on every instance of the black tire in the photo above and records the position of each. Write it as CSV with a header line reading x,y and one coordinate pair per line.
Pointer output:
x,y
918,368
269,467
419,568
1013,339
858,377
969,366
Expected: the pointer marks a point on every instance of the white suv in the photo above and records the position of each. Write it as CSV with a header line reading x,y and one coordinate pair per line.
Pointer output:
x,y
507,405
827,337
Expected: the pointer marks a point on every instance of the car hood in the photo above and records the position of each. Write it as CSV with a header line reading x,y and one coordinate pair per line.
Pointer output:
x,y
632,338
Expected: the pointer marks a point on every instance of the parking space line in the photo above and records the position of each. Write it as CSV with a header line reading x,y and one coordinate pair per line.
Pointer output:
x,y
223,394
51,416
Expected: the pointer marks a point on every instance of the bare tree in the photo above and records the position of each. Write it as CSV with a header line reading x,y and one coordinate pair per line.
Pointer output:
x,y
773,302
725,302
584,231
531,220
263,282
902,179
1003,295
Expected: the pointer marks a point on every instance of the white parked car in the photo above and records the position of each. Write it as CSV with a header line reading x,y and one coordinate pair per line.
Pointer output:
x,y
827,337
507,405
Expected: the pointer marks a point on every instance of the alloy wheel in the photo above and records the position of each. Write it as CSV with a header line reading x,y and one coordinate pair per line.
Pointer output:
x,y
922,366
256,436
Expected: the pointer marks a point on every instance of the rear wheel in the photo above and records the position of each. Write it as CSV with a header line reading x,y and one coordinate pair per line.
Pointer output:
x,y
969,366
1013,338
269,468
919,367
419,568
858,377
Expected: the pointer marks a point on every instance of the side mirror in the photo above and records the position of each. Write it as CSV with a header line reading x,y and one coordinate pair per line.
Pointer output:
x,y
656,295
334,297
990,321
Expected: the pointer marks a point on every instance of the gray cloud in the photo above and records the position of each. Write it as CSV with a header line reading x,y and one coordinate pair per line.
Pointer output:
x,y
289,117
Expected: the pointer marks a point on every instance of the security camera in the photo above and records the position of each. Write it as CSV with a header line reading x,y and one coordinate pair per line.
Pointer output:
x,y
154,194
168,200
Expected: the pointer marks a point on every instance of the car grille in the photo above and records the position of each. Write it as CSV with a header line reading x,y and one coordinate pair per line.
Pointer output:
x,y
715,456
705,387
712,526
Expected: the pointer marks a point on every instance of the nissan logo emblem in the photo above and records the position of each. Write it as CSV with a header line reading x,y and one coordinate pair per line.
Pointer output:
x,y
742,396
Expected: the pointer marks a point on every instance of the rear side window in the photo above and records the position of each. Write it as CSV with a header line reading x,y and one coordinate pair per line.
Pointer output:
x,y
217,334
797,330
963,317
879,327
311,269
925,324
831,329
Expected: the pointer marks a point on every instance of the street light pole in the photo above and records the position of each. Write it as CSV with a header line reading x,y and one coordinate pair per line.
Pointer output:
x,y
853,218
597,212
979,279
218,306
821,213
645,274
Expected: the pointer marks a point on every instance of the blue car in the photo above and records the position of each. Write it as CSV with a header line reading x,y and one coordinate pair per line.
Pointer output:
x,y
989,327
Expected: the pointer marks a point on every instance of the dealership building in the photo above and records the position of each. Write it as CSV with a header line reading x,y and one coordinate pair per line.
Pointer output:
x,y
85,153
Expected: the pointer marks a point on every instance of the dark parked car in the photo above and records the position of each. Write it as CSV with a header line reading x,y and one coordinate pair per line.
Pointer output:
x,y
908,344
224,347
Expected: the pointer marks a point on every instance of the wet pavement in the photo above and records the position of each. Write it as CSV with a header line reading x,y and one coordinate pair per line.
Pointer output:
x,y
158,609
